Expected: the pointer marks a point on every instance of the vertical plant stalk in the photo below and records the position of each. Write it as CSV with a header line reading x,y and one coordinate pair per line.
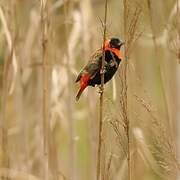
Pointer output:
x,y
68,52
9,63
178,29
124,105
131,35
44,27
3,122
178,87
101,99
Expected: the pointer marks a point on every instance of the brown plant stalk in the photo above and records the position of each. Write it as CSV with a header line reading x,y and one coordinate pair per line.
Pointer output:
x,y
45,123
3,123
124,105
131,35
8,65
72,150
101,98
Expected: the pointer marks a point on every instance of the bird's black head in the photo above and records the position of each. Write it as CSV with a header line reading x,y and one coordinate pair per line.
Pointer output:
x,y
115,43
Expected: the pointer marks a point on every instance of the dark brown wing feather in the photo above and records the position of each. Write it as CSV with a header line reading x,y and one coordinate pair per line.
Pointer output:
x,y
93,65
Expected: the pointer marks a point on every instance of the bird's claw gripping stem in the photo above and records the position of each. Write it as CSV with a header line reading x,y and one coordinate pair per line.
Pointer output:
x,y
102,71
100,90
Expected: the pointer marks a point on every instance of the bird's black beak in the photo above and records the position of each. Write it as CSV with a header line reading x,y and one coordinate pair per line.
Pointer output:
x,y
122,43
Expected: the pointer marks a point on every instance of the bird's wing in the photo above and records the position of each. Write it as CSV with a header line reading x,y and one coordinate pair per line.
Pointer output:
x,y
93,66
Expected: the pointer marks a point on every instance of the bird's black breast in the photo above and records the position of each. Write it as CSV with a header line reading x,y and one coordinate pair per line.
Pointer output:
x,y
111,66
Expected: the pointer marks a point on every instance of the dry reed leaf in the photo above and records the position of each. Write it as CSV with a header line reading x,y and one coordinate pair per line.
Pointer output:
x,y
26,54
16,175
114,89
145,150
13,62
162,38
121,174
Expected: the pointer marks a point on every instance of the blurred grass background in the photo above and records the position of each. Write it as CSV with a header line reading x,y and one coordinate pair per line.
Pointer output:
x,y
45,134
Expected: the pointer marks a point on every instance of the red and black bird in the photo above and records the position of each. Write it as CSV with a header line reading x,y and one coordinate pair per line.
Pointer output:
x,y
90,75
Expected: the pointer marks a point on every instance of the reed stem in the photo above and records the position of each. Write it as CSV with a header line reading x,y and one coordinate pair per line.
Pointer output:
x,y
101,98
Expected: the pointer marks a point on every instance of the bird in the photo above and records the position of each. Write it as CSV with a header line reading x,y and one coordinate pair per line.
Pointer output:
x,y
90,75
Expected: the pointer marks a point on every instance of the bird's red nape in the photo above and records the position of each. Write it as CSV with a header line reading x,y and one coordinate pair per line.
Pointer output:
x,y
114,50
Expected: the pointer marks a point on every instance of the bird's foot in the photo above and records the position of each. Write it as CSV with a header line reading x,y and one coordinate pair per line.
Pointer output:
x,y
101,90
102,71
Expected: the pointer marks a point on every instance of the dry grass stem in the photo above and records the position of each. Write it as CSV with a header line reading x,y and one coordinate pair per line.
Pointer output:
x,y
101,99
70,44
46,126
131,35
10,46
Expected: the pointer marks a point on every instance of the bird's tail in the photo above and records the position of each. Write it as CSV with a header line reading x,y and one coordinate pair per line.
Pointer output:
x,y
83,84
79,94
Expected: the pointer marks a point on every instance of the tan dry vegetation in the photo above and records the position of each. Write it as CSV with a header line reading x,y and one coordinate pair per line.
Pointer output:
x,y
45,134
